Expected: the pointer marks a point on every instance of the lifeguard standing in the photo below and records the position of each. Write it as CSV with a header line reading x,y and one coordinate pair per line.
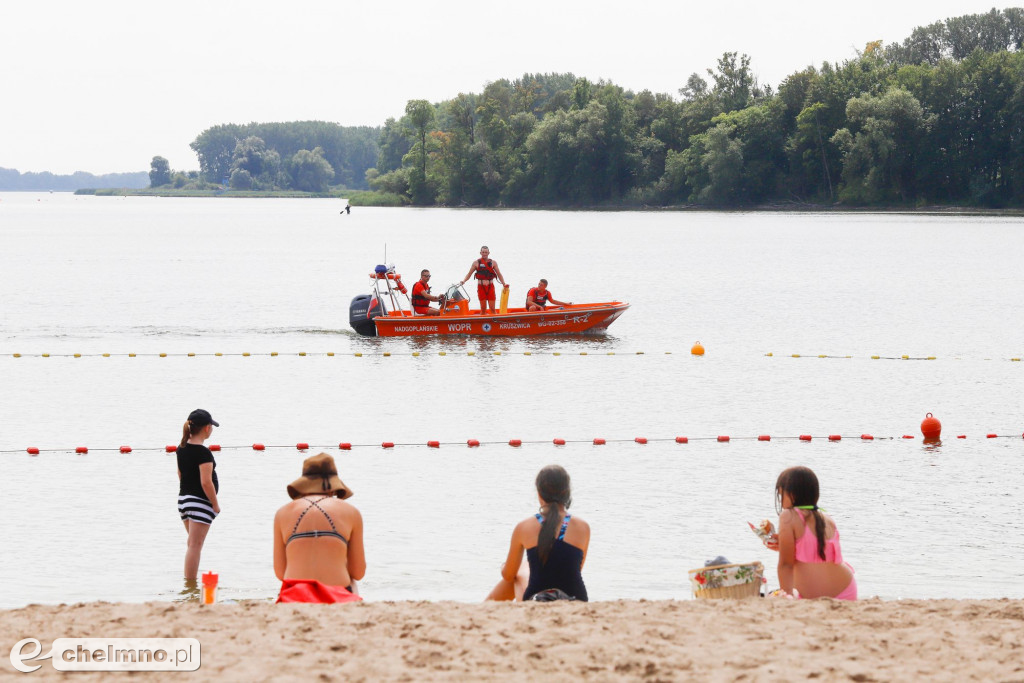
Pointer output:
x,y
486,270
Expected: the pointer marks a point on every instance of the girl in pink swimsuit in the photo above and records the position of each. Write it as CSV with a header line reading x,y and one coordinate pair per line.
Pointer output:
x,y
810,558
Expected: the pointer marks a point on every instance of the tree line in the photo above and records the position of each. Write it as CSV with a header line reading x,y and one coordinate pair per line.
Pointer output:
x,y
937,118
13,180
307,156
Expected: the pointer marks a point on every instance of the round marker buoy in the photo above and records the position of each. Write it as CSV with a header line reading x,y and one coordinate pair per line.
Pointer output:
x,y
640,439
433,444
259,447
473,443
126,449
302,446
388,444
170,449
558,442
32,450
599,441
344,446
697,349
764,437
931,428
214,447
82,449
723,439
682,439
515,443
805,437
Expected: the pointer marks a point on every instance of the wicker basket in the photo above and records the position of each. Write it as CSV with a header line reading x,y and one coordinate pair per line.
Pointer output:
x,y
733,581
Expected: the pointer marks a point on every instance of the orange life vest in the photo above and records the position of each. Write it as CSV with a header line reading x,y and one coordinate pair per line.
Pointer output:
x,y
418,300
485,271
539,298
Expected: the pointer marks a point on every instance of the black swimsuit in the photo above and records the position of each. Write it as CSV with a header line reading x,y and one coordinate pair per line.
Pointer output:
x,y
333,533
562,570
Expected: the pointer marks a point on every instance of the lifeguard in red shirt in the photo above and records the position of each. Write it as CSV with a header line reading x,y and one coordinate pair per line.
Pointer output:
x,y
540,296
486,270
421,296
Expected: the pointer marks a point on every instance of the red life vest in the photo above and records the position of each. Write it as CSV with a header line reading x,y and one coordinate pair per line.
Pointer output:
x,y
539,298
418,300
485,271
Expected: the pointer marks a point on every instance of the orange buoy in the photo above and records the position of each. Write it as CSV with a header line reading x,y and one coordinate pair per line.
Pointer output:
x,y
805,437
170,449
697,349
214,447
302,446
867,437
599,441
259,447
433,444
931,427
126,449
723,439
515,442
682,439
344,446
473,443
32,450
764,437
559,442
834,437
640,439
388,444
81,449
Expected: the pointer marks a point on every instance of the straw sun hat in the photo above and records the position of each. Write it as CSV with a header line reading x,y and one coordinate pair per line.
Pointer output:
x,y
319,475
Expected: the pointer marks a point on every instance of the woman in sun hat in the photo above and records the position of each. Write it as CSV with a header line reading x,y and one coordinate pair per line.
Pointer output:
x,y
318,537
198,485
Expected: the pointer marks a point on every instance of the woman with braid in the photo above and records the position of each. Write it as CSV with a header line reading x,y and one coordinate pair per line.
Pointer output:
x,y
555,544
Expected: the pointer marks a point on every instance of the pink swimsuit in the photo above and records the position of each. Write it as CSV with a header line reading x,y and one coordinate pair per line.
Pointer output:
x,y
806,551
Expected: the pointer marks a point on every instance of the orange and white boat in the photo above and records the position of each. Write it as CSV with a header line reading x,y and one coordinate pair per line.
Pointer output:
x,y
383,313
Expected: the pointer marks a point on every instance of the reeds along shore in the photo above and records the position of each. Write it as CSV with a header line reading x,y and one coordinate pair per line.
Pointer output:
x,y
754,639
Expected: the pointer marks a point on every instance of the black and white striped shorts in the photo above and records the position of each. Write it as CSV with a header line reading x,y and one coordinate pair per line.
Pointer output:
x,y
196,509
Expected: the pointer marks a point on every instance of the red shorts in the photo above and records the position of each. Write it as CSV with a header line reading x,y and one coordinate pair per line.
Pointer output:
x,y
485,292
420,309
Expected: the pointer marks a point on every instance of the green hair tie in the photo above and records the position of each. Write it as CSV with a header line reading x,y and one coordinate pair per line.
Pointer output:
x,y
808,507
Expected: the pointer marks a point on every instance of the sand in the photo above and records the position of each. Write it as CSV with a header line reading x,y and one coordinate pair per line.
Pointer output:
x,y
750,640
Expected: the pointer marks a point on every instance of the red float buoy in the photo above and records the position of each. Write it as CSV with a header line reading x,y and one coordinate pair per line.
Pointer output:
x,y
214,447
834,437
473,443
961,436
764,437
302,446
344,446
170,449
599,441
991,436
32,450
81,449
908,436
805,437
931,427
682,439
723,439
515,442
867,437
126,449
640,439
259,447
433,444
559,442
388,444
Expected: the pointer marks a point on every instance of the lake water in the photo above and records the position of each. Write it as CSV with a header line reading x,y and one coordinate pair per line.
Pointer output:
x,y
96,275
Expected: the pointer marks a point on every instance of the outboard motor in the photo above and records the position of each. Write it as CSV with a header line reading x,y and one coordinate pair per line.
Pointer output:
x,y
361,312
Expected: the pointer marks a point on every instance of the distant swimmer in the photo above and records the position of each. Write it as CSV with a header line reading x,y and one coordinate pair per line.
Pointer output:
x,y
540,296
421,296
486,271
348,209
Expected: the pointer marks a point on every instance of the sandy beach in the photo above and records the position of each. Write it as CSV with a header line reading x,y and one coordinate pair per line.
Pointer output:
x,y
756,639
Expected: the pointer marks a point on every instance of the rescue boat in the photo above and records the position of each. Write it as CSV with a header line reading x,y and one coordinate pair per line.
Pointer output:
x,y
387,312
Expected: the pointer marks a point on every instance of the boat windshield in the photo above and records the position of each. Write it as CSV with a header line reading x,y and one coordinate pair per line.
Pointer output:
x,y
456,293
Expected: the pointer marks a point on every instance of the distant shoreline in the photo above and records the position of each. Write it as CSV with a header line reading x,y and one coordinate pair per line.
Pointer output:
x,y
775,207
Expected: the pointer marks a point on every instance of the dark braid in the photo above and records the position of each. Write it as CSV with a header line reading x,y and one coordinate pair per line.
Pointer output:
x,y
553,488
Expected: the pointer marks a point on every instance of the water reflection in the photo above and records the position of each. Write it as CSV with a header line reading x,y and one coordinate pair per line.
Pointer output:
x,y
190,592
932,445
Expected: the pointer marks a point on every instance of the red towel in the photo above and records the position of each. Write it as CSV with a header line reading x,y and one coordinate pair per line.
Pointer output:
x,y
307,590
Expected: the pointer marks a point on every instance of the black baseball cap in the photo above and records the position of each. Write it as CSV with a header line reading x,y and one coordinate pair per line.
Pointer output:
x,y
201,418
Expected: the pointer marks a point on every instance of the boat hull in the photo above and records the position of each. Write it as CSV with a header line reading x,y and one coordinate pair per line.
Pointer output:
x,y
574,319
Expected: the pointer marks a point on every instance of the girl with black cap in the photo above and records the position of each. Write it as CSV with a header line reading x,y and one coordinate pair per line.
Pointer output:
x,y
198,487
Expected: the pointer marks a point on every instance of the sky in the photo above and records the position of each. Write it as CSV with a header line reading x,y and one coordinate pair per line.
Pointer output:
x,y
104,87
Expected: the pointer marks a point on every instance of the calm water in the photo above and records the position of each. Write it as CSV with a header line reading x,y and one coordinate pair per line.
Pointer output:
x,y
95,275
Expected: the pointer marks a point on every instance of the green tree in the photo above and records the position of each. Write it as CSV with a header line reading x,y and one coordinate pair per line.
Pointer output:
x,y
159,172
420,115
310,171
